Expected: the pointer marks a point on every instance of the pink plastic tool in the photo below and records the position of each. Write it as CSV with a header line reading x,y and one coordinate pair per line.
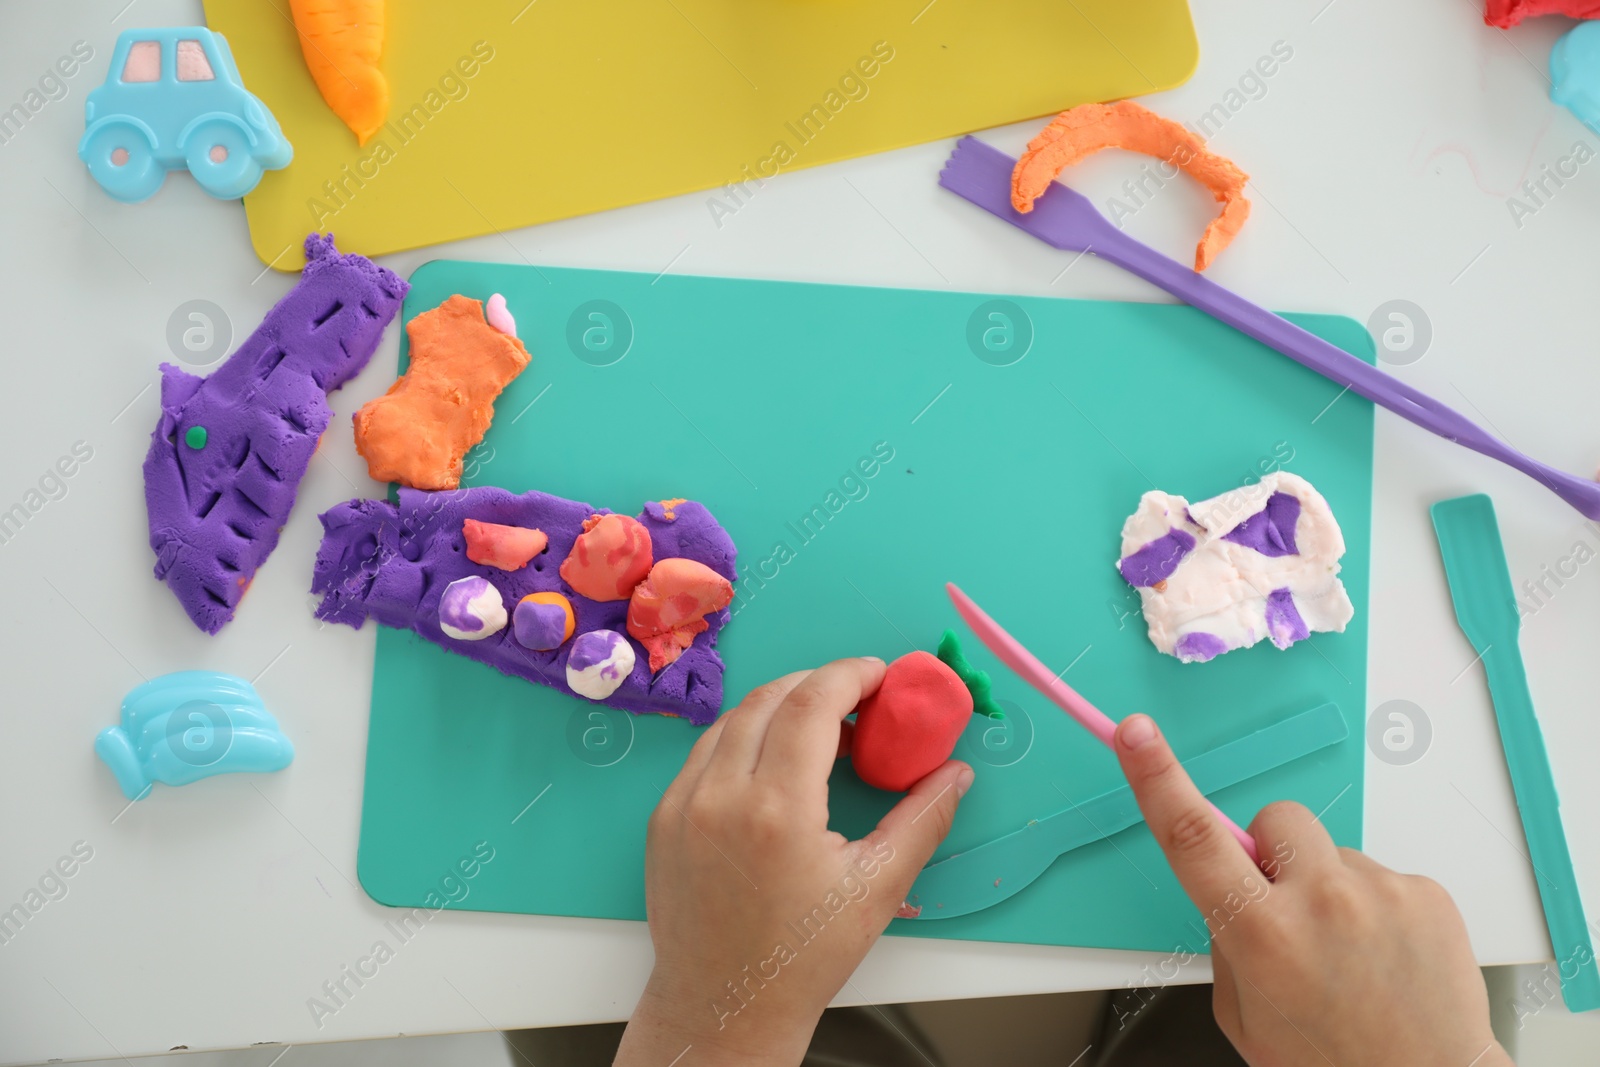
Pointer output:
x,y
1042,678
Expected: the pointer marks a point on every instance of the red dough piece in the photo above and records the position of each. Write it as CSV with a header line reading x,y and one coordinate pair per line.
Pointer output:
x,y
609,558
670,607
1507,13
909,727
507,547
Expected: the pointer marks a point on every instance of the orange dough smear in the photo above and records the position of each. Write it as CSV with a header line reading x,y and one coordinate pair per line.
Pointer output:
x,y
342,42
1083,131
417,432
670,607
506,547
609,558
669,506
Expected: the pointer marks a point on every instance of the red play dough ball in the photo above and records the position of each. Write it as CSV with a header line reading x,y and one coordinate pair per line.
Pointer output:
x,y
909,727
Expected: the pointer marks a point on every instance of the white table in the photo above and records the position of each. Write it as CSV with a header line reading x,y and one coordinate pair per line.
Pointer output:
x,y
1383,152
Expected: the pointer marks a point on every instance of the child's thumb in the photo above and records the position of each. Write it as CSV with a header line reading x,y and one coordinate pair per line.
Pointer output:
x,y
914,828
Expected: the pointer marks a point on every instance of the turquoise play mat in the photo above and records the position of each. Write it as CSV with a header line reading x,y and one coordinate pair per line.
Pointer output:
x,y
863,446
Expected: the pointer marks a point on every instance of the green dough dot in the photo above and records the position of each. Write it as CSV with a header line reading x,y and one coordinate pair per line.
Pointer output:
x,y
196,437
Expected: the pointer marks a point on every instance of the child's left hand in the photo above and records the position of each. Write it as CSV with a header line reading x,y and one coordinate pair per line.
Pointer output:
x,y
758,911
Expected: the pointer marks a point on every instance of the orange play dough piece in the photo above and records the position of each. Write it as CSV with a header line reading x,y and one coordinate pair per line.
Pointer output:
x,y
417,432
611,556
670,606
509,548
342,42
1085,130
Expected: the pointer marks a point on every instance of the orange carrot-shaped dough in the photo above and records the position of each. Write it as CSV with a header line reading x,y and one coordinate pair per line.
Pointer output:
x,y
342,41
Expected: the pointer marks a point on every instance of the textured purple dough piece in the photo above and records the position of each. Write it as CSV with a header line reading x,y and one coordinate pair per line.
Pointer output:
x,y
1284,624
1156,560
392,564
1199,646
215,512
1270,531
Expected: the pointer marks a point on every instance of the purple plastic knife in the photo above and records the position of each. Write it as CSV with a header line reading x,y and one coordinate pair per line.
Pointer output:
x,y
1067,220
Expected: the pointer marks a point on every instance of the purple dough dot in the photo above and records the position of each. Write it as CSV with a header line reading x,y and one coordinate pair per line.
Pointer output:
x,y
541,627
1154,562
1199,646
596,646
1284,624
459,607
1270,531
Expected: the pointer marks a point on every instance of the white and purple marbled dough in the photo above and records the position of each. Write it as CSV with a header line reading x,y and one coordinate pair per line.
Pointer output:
x,y
599,662
471,609
1257,562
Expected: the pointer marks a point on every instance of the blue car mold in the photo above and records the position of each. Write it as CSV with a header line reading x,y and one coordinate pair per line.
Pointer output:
x,y
182,727
173,99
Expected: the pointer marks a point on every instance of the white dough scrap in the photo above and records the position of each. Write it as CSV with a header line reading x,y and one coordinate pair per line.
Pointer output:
x,y
1261,561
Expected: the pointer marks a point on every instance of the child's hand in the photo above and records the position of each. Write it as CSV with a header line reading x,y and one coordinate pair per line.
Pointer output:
x,y
759,912
1338,960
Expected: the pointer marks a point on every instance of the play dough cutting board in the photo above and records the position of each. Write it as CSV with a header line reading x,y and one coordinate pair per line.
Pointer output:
x,y
863,446
507,113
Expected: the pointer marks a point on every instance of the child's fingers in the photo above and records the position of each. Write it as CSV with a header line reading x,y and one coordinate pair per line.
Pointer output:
x,y
847,737
694,765
1292,843
802,740
1357,860
744,728
921,820
1224,994
1207,860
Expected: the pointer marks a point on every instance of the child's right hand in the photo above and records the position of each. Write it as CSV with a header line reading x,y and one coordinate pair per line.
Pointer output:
x,y
1341,960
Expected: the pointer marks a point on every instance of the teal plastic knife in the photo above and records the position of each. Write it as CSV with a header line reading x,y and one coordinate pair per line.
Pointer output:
x,y
1486,608
997,870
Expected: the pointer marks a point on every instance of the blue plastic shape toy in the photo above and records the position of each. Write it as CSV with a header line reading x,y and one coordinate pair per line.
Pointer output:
x,y
1575,72
173,98
182,727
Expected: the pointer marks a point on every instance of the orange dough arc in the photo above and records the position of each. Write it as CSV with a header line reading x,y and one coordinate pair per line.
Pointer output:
x,y
1085,130
342,42
417,432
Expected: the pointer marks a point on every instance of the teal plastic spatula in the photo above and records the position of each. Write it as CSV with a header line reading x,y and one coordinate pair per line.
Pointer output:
x,y
1486,608
998,870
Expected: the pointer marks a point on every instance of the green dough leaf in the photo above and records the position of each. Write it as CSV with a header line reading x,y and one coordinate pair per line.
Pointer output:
x,y
976,681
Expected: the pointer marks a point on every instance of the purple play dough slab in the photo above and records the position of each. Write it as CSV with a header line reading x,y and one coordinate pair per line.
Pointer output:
x,y
215,512
393,563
